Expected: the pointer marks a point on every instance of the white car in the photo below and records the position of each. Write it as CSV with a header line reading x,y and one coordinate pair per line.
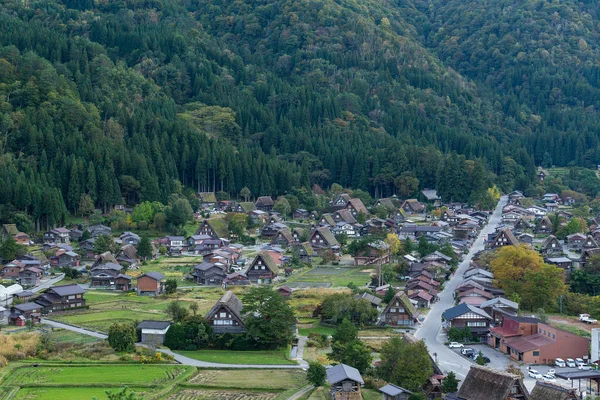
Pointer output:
x,y
548,378
455,345
571,363
534,374
584,367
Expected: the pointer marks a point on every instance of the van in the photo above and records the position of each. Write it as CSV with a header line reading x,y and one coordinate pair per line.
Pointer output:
x,y
571,363
579,362
560,363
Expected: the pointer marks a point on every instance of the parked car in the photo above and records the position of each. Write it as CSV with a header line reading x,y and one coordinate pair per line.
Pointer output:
x,y
534,374
455,345
579,362
587,319
404,278
467,351
571,363
551,372
475,355
548,378
560,363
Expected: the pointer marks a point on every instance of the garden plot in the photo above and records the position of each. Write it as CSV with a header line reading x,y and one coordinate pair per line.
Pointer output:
x,y
322,277
267,379
205,394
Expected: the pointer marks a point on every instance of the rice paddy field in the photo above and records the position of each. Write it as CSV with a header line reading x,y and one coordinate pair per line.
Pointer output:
x,y
88,381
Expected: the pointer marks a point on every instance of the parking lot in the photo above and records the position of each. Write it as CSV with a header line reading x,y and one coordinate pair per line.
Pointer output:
x,y
500,361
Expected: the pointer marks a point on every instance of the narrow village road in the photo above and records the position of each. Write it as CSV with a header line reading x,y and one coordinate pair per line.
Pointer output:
x,y
83,331
48,283
431,329
178,357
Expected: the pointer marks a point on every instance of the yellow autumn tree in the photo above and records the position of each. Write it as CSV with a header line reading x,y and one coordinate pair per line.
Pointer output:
x,y
394,244
510,264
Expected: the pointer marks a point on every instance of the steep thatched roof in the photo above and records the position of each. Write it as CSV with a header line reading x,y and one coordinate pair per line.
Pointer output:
x,y
548,391
231,302
484,383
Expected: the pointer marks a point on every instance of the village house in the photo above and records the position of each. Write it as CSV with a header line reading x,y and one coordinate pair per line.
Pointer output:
x,y
57,235
61,297
262,269
215,228
414,231
98,230
422,298
388,204
504,237
399,312
22,239
244,207
484,383
225,316
13,269
64,258
271,230
305,252
8,230
551,391
30,277
465,315
130,238
207,199
544,226
322,238
110,276
480,296
575,241
526,238
208,273
150,283
393,392
341,201
284,291
236,279
551,247
264,203
431,196
21,313
413,206
283,238
499,308
589,243
356,207
127,255
345,382
153,332
561,262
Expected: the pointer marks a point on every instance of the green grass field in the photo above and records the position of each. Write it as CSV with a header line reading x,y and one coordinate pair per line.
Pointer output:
x,y
99,375
68,393
266,357
338,276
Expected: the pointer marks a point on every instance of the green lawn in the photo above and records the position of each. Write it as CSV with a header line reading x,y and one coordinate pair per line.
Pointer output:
x,y
67,393
266,357
102,320
316,328
104,375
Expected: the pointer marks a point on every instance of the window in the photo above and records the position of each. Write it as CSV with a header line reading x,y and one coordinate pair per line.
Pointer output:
x,y
477,324
553,336
71,297
222,315
262,267
536,353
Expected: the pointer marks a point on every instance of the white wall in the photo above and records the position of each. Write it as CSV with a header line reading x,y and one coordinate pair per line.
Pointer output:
x,y
595,353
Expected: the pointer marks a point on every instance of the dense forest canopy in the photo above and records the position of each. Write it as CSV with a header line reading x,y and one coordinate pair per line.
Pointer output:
x,y
125,101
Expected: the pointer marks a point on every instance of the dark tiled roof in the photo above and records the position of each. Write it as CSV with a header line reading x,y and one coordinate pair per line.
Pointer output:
x,y
149,324
67,290
342,372
154,275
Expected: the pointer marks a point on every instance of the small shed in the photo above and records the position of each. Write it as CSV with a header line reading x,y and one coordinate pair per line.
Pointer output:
x,y
285,291
153,332
393,392
345,382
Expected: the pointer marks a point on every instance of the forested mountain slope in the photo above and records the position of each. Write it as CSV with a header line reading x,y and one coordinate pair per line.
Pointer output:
x,y
542,57
125,99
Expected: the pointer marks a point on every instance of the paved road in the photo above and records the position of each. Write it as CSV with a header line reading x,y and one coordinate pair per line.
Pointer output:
x,y
48,283
431,329
73,328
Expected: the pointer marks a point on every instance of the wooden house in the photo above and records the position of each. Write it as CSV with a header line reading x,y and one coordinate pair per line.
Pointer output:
x,y
551,246
504,237
8,230
393,392
305,252
109,276
399,312
356,207
589,243
341,201
208,273
575,241
345,382
21,313
550,391
30,276
322,238
262,269
544,226
283,238
63,297
413,206
264,203
225,316
484,383
151,283
153,332
465,315
215,228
